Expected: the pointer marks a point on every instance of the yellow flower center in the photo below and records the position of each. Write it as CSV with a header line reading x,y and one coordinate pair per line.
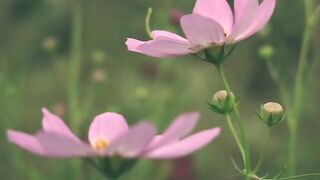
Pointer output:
x,y
101,144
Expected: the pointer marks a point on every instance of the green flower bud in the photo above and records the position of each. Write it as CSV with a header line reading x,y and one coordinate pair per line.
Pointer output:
x,y
141,92
222,103
271,113
50,44
98,56
266,51
98,75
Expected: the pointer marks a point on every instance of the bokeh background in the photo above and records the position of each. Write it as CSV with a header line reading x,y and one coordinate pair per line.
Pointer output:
x,y
35,48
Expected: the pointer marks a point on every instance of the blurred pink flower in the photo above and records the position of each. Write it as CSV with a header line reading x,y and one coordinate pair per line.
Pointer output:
x,y
175,16
183,169
175,142
212,23
110,135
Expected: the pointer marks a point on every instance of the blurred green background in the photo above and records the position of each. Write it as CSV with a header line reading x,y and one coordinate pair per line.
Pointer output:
x,y
35,41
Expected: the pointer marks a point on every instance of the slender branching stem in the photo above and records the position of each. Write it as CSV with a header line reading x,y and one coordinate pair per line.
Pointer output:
x,y
278,81
239,121
235,135
75,64
296,177
298,88
264,148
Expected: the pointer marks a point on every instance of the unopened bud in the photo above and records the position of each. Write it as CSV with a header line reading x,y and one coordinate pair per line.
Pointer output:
x,y
271,113
141,92
222,102
50,43
98,75
220,96
98,56
266,51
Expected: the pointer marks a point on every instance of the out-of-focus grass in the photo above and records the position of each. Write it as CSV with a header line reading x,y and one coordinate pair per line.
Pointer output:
x,y
137,86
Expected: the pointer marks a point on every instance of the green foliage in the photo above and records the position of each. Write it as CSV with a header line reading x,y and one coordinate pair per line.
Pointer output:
x,y
33,76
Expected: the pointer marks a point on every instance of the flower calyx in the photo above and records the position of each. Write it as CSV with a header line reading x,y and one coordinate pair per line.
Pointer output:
x,y
222,102
271,113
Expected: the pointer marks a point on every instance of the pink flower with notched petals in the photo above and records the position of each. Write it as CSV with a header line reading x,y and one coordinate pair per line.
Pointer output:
x,y
110,135
212,23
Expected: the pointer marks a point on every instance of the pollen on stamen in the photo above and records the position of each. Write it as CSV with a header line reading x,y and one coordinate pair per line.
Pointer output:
x,y
100,144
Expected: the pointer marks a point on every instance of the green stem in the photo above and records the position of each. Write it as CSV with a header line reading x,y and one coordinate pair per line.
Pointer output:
x,y
243,135
298,89
296,177
292,146
316,14
235,135
74,70
75,64
147,23
265,145
276,78
303,56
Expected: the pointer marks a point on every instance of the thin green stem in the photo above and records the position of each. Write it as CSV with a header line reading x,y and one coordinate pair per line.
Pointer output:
x,y
298,89
292,146
276,78
316,14
303,56
264,148
74,70
235,135
242,130
75,64
296,177
147,22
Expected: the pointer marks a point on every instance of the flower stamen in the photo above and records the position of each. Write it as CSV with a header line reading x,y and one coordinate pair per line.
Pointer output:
x,y
101,144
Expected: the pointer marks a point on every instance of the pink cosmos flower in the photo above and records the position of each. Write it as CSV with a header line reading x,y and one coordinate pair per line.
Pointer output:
x,y
110,135
212,23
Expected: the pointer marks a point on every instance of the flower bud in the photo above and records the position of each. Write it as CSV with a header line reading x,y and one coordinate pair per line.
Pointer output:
x,y
141,92
50,44
221,102
98,56
271,113
266,51
98,76
220,96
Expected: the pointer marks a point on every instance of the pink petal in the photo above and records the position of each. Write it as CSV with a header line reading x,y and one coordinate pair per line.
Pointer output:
x,y
161,46
242,7
52,123
133,45
245,11
57,145
179,128
107,126
262,16
185,146
250,17
218,10
202,31
49,144
26,141
134,141
158,34
155,142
